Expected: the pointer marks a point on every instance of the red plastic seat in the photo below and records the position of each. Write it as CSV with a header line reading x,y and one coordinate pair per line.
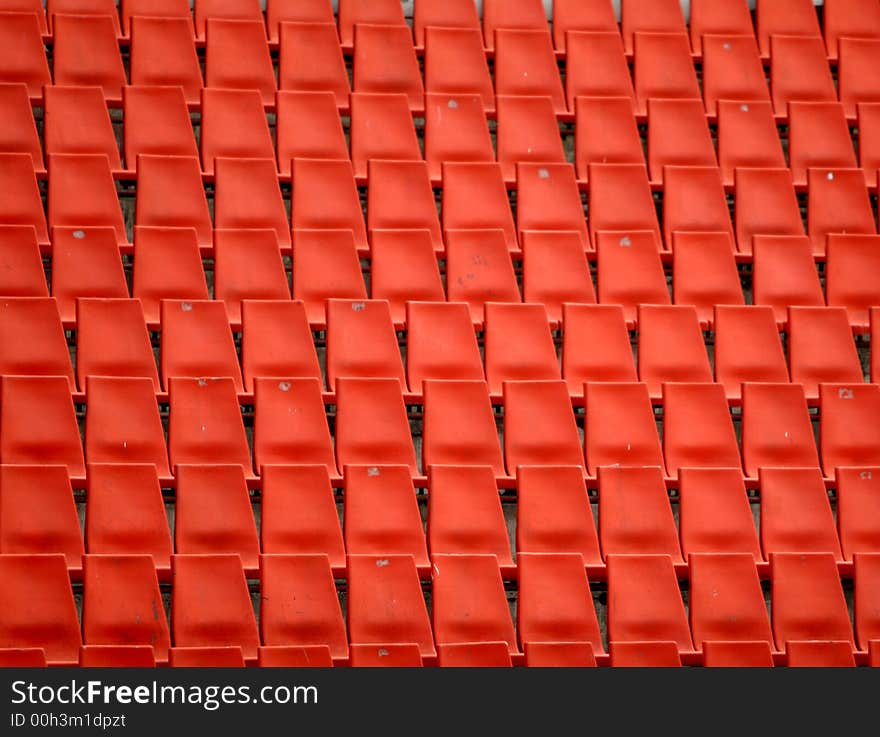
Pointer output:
x,y
596,346
85,53
784,274
299,606
381,128
22,273
385,62
206,657
548,199
737,655
393,183
838,203
867,594
644,603
635,516
799,71
784,17
649,16
820,654
704,273
20,202
694,201
296,11
644,655
299,514
311,60
247,195
677,135
847,435
211,605
38,609
620,426
125,514
852,271
308,127
205,425
464,514
718,17
387,655
360,12
714,513
821,348
605,131
518,345
849,19
525,64
444,14
32,339
818,136
747,348
732,69
527,131
581,15
473,655
857,77
459,426
371,424
39,423
76,121
671,346
807,601
39,514
234,126
122,605
747,138
858,521
440,344
386,607
212,514
155,8
479,271
19,131
156,123
524,14
555,271
455,64
596,67
620,200
23,60
163,53
662,67
224,9
475,198
553,513
294,656
116,656
82,194
327,266
237,57
455,131
29,6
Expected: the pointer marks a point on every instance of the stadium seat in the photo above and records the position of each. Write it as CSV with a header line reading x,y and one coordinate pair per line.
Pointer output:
x,y
386,607
818,137
747,138
458,426
156,123
799,71
38,610
310,60
154,8
596,346
718,17
278,437
581,15
649,16
455,132
851,272
596,66
732,69
821,348
307,127
555,271
784,17
473,655
548,199
386,655
395,182
620,200
678,135
85,52
385,61
20,202
629,272
213,515
662,67
117,656
726,601
211,605
539,426
440,344
381,128
620,426
237,56
163,53
298,515
858,521
857,78
525,14
39,514
820,654
644,603
694,201
807,601
83,7
22,273
475,198
444,14
559,655
224,9
776,429
36,7
526,65
605,131
455,64
326,198
553,513
76,121
784,274
635,516
838,203
518,345
125,514
233,126
122,605
527,131
23,60
294,656
205,425
361,12
33,339
39,423
381,514
737,655
82,194
704,273
844,20
867,623
206,657
644,655
18,133
671,346
714,513
299,605
795,513
846,433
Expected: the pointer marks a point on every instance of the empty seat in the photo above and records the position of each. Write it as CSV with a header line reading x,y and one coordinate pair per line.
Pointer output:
x,y
381,514
224,9
39,423
704,273
464,514
158,8
847,435
581,15
32,339
19,131
395,182
386,606
518,345
838,203
784,17
206,657
475,198
635,516
677,135
747,137
233,126
76,121
867,566
671,346
858,520
526,131
630,272
605,131
459,426
596,67
213,515
125,513
22,273
747,348
299,605
157,123
85,53
290,425
456,65
714,513
284,11
387,655
795,513
38,609
525,14
444,14
644,603
359,12
211,605
644,655
649,16
737,654
554,514
237,57
539,425
526,65
39,514
381,128
662,68
784,274
852,270
85,263
697,429
776,428
620,200
479,271
23,60
311,60
455,131
298,514
694,201
440,343
82,194
548,199
799,71
821,348
620,426
163,53
122,605
719,17
857,77
205,425
732,69
308,127
385,61
473,655
117,656
848,19
294,656
596,346
820,654
807,601
818,136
